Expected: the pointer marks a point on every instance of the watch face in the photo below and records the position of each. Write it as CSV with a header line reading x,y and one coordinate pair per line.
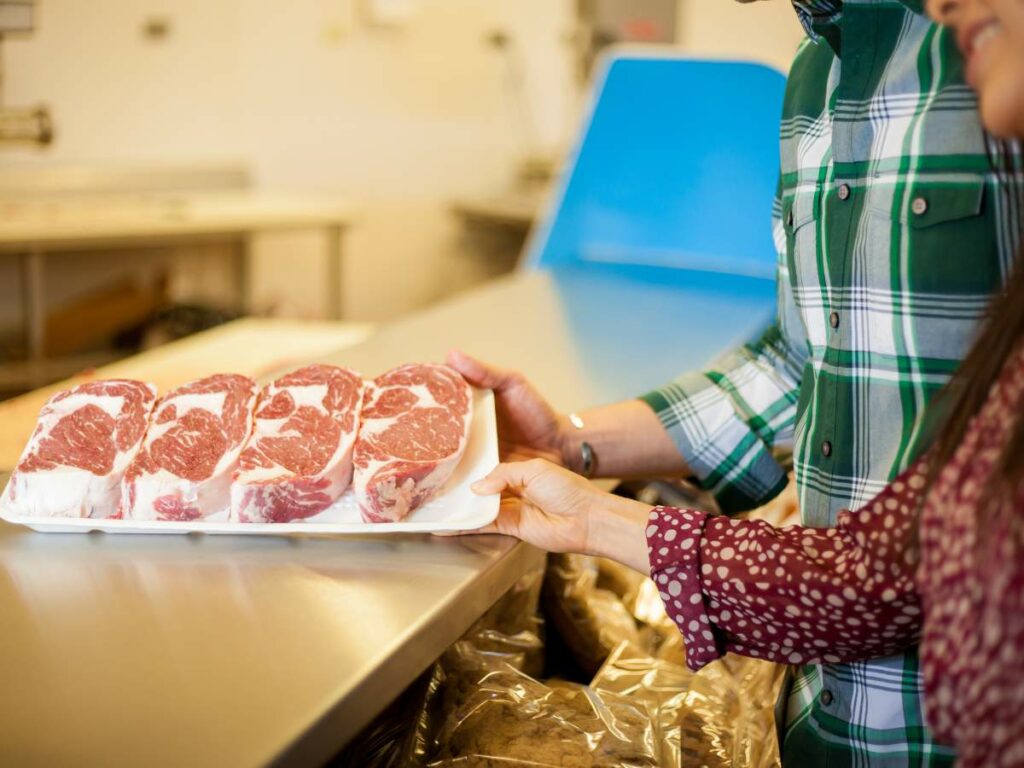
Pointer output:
x,y
587,450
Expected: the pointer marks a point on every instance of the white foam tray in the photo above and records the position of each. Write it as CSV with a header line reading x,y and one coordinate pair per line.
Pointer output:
x,y
456,508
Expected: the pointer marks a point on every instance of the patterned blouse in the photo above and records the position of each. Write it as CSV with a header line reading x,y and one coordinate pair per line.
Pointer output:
x,y
870,587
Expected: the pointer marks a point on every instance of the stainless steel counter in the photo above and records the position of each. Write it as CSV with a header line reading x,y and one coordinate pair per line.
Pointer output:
x,y
225,651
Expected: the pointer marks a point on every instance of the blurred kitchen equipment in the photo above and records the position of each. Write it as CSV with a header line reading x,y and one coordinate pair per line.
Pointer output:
x,y
601,23
21,125
17,15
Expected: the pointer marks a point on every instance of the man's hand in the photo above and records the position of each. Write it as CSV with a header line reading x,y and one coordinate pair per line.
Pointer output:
x,y
627,437
528,426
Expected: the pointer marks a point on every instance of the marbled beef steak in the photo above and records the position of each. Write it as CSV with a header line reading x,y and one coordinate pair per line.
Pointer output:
x,y
84,440
414,430
298,460
195,436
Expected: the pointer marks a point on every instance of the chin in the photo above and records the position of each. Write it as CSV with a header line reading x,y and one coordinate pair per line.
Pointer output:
x,y
1002,117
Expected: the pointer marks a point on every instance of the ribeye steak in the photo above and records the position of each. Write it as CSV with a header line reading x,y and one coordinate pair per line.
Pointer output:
x,y
196,433
298,460
414,430
84,440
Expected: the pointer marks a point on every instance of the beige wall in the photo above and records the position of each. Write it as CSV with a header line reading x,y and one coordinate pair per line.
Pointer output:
x,y
764,30
402,119
307,97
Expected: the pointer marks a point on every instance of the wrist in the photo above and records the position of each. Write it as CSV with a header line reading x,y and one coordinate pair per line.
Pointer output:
x,y
617,529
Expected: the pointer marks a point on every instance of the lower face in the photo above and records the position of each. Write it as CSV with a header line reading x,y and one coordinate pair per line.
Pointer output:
x,y
996,70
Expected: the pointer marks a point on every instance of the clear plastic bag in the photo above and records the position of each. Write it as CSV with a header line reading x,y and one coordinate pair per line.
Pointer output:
x,y
633,673
657,685
508,636
512,719
727,715
398,737
495,711
723,715
591,621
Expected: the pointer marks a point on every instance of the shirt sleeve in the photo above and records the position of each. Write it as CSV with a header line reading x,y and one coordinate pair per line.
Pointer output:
x,y
795,595
727,421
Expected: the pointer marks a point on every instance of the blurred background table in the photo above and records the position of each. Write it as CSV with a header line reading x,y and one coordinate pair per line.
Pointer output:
x,y
32,228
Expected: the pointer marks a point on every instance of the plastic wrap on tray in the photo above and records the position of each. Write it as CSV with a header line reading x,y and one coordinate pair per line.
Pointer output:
x,y
512,719
591,621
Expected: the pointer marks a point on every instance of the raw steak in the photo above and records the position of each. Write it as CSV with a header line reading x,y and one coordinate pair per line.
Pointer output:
x,y
85,438
298,460
415,425
183,471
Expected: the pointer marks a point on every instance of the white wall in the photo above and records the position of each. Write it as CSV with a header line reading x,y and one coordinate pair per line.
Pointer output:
x,y
310,99
401,119
119,98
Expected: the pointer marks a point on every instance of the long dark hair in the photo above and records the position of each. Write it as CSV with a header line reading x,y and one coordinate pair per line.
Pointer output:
x,y
1002,332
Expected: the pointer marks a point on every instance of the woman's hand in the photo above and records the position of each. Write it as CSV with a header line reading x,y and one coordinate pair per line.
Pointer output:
x,y
527,425
557,510
544,504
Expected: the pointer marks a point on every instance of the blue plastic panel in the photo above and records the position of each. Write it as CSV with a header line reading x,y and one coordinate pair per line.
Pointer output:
x,y
676,167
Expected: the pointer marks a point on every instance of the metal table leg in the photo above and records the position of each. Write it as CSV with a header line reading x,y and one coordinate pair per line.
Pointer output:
x,y
34,303
334,278
243,273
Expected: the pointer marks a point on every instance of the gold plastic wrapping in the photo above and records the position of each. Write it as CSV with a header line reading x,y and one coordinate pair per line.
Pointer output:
x,y
727,716
512,719
509,636
591,621
723,715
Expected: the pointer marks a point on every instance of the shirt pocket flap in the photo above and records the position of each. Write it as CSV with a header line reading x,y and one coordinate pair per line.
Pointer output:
x,y
800,208
930,201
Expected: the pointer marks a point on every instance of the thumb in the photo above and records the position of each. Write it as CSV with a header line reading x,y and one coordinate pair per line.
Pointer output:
x,y
477,373
511,476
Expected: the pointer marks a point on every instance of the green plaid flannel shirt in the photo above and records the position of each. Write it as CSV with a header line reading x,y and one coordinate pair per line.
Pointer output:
x,y
897,218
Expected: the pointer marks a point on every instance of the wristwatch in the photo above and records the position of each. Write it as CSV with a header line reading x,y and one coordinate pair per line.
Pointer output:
x,y
588,460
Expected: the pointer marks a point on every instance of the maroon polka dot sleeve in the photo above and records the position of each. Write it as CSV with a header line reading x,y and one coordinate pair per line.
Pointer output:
x,y
794,595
